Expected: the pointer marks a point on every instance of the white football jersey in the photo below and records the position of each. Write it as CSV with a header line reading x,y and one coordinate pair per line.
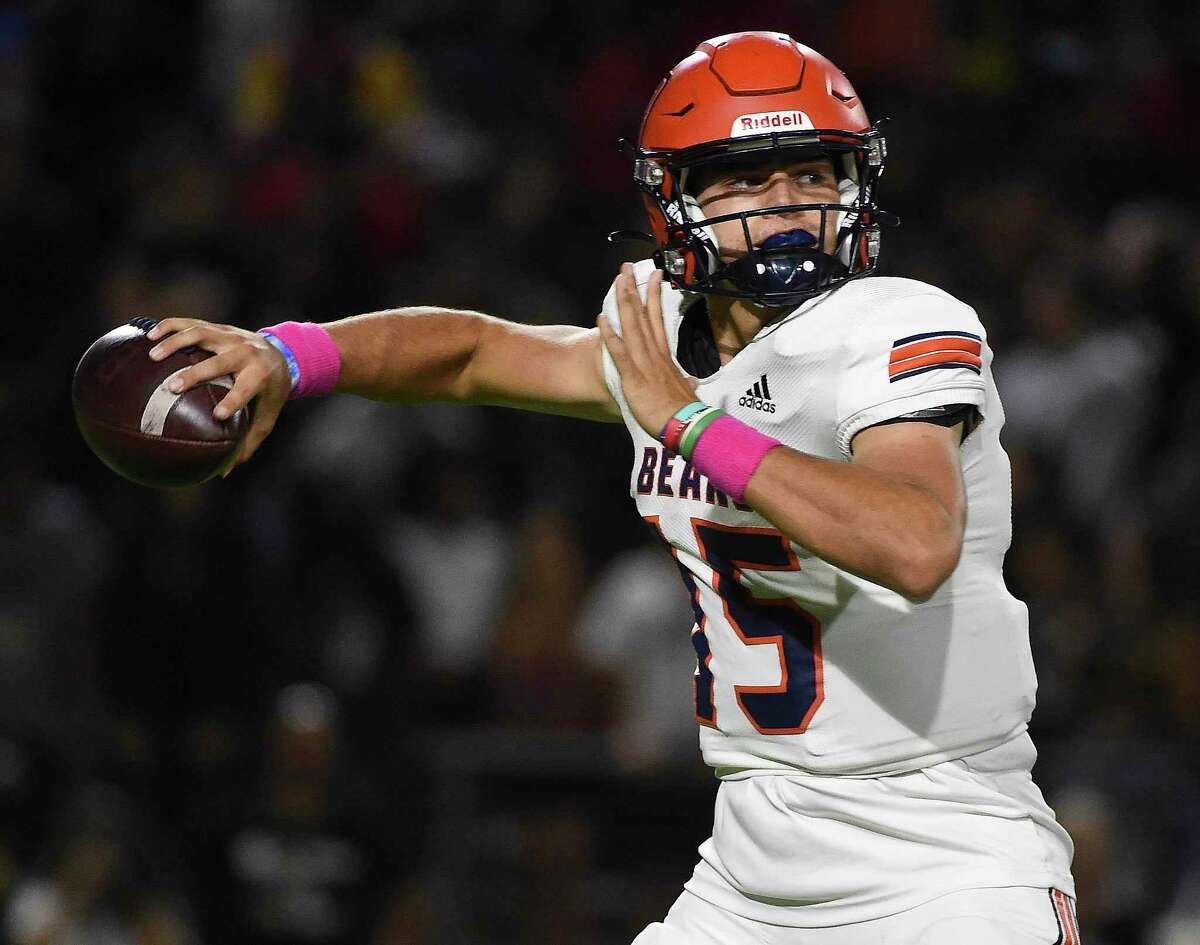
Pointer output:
x,y
802,666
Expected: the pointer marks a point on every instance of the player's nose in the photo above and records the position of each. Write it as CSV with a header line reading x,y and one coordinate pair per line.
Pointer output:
x,y
783,188
785,191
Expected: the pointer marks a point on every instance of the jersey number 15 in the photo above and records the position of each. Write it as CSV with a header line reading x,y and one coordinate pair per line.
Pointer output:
x,y
782,709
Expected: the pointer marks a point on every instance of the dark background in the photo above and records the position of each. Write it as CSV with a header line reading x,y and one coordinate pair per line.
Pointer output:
x,y
414,674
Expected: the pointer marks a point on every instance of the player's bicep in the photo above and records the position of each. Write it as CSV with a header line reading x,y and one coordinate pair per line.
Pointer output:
x,y
548,368
923,454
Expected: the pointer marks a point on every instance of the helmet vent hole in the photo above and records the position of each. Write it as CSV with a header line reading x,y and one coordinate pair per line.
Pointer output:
x,y
683,111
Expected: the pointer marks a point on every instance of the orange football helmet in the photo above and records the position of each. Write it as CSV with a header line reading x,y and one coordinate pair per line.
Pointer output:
x,y
759,93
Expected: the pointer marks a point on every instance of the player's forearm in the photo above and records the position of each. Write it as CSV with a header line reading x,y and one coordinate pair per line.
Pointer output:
x,y
884,529
415,354
408,354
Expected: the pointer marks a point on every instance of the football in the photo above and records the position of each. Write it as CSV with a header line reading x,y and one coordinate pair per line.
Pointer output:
x,y
141,430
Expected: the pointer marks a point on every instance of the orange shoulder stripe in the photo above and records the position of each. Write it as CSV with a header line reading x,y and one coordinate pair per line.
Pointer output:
x,y
938,357
936,344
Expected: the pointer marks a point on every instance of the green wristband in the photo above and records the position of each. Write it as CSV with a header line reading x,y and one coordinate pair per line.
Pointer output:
x,y
699,424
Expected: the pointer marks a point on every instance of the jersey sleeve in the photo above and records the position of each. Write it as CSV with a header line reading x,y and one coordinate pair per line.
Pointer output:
x,y
612,377
916,352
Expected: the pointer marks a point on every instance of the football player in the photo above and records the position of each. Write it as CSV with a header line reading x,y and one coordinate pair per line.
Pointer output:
x,y
820,448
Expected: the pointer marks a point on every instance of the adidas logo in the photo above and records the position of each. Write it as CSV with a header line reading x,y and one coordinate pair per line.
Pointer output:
x,y
758,397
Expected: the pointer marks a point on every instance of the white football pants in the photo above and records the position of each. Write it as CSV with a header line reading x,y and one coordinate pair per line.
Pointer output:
x,y
1015,915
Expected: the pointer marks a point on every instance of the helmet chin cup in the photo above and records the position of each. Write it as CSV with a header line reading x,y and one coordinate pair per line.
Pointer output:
x,y
785,264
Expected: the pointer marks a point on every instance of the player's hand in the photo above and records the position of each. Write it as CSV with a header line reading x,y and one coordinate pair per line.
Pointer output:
x,y
654,387
259,371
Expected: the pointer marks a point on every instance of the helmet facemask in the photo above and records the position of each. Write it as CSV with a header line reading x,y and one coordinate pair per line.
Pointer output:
x,y
787,268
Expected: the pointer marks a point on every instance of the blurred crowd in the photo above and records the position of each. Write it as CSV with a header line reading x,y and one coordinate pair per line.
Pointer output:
x,y
418,675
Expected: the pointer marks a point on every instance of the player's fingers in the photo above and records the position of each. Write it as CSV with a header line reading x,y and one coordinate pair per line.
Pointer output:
x,y
654,311
618,288
613,342
246,386
200,335
167,325
633,316
229,362
651,351
267,406
265,415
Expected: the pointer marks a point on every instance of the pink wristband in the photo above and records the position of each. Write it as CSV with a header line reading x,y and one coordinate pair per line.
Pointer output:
x,y
728,452
316,356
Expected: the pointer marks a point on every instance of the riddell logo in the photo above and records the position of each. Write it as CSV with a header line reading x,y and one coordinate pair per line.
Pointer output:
x,y
758,397
761,123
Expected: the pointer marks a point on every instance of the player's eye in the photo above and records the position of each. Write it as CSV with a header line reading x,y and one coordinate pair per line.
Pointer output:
x,y
742,181
814,177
